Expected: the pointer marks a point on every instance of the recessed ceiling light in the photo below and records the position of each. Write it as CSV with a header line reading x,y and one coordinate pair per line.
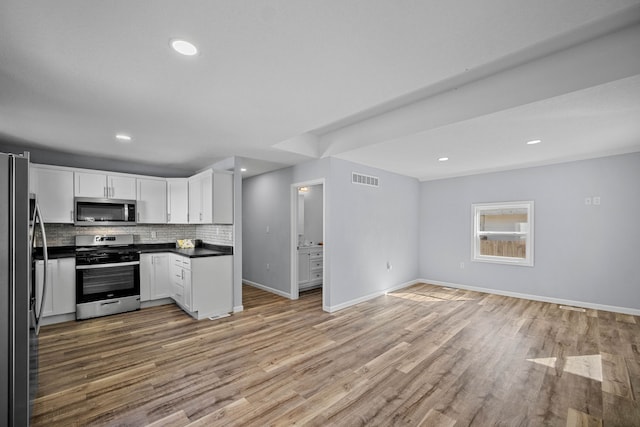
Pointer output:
x,y
184,47
123,137
443,159
534,141
243,169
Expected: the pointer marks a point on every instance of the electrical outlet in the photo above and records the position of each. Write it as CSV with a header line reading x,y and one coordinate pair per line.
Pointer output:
x,y
267,229
389,266
587,201
268,266
596,200
461,265
154,234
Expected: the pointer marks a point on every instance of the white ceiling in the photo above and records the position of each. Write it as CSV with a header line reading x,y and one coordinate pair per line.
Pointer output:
x,y
392,84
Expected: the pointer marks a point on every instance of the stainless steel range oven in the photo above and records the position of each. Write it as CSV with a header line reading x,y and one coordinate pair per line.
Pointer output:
x,y
107,275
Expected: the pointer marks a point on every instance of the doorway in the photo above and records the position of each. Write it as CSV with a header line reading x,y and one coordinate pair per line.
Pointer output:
x,y
308,248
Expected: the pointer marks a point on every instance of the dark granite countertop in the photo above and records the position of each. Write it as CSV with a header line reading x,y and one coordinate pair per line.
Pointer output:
x,y
206,250
56,252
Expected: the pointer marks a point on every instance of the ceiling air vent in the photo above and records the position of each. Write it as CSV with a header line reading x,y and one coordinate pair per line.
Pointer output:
x,y
358,178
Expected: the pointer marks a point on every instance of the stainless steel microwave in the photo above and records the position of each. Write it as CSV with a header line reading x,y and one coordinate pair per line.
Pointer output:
x,y
97,212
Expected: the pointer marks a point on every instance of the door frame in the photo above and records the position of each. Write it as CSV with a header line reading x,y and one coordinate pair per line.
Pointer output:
x,y
294,238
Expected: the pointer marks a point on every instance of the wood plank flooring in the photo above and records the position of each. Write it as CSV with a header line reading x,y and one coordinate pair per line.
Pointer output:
x,y
422,356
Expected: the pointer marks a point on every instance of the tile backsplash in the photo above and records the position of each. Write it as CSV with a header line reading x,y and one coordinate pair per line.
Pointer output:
x,y
64,234
216,234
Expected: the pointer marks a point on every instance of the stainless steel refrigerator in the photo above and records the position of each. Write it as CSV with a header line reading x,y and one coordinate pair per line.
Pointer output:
x,y
18,323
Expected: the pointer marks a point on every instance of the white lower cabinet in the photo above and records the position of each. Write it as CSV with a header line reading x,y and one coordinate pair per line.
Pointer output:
x,y
310,266
155,282
203,287
60,293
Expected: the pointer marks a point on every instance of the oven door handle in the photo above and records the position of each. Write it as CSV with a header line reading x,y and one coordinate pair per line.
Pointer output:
x,y
113,264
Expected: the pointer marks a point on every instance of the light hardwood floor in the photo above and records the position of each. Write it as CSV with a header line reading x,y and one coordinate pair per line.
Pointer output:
x,y
424,355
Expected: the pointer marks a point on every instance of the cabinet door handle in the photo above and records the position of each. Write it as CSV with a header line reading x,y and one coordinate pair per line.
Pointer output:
x,y
138,216
104,191
168,216
71,216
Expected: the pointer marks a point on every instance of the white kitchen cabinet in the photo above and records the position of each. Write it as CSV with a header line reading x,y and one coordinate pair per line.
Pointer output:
x,y
211,198
177,201
151,201
310,267
54,192
303,267
199,189
180,273
96,184
60,295
155,279
203,286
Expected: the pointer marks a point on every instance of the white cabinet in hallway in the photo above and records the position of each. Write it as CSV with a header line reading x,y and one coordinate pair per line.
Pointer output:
x,y
151,200
89,184
310,266
155,281
54,191
60,294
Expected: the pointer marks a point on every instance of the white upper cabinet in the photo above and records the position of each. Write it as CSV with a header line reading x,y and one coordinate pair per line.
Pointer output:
x,y
211,198
54,193
198,185
151,201
122,187
90,184
177,201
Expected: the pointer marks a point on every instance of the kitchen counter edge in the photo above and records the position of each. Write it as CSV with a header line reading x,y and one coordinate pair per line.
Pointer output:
x,y
207,250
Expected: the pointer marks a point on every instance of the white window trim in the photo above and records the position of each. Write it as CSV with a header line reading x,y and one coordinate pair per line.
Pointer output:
x,y
476,208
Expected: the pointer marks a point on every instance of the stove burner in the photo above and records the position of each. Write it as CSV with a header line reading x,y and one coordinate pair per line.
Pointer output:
x,y
106,255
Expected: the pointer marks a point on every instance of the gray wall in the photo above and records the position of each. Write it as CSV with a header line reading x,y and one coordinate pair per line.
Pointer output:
x,y
368,228
583,253
365,228
266,203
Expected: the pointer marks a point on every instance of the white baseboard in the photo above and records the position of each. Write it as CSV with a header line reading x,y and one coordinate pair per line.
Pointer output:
x,y
613,308
238,308
334,308
267,288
